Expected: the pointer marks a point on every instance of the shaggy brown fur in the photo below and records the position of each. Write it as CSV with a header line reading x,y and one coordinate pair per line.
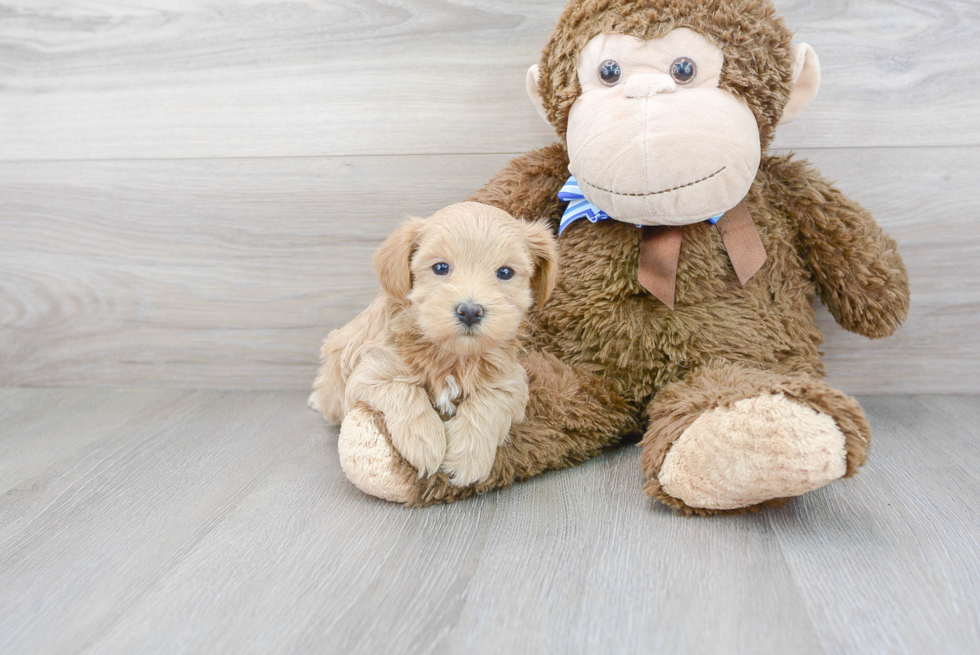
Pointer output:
x,y
610,355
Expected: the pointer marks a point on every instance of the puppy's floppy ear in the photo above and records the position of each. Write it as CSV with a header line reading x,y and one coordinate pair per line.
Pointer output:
x,y
544,250
393,259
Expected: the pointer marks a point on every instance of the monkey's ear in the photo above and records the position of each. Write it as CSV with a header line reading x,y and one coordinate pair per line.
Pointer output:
x,y
532,91
806,82
544,251
392,262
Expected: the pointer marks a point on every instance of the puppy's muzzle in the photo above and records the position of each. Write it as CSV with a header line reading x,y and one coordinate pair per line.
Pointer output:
x,y
469,314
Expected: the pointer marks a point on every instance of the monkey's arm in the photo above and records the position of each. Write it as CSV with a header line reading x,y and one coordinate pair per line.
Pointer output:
x,y
857,269
528,185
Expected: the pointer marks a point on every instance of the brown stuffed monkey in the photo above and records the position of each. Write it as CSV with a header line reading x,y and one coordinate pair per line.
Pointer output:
x,y
689,262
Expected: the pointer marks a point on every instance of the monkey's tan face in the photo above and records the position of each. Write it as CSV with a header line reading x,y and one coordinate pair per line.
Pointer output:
x,y
652,140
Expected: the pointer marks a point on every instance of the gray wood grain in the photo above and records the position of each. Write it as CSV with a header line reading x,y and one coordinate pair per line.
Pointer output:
x,y
173,79
84,538
525,571
34,437
897,547
228,273
221,522
600,568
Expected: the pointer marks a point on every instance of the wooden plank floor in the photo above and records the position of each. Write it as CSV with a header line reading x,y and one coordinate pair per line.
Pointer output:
x,y
176,521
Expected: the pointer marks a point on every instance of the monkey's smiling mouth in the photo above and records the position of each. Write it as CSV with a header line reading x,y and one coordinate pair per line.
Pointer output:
x,y
657,193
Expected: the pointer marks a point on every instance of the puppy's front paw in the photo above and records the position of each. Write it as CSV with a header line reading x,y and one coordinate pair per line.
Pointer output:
x,y
469,454
421,440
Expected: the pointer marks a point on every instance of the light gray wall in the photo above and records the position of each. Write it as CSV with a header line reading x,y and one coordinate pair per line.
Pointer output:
x,y
190,191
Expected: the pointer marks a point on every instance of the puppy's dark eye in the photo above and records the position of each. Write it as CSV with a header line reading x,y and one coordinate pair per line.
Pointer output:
x,y
505,273
610,73
683,70
442,268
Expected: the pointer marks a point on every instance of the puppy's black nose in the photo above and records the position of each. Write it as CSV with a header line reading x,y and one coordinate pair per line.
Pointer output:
x,y
469,314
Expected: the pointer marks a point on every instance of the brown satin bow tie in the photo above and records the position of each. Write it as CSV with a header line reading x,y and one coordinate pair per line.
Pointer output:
x,y
660,248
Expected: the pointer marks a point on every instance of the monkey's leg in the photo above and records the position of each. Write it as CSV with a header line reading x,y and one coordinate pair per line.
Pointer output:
x,y
572,416
731,438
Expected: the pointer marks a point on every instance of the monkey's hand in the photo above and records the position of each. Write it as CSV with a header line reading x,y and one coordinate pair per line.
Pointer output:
x,y
857,269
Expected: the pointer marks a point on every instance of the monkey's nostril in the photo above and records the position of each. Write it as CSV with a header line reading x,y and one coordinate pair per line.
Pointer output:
x,y
469,314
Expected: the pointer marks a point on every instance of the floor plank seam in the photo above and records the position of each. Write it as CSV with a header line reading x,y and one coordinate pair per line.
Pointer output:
x,y
777,149
446,636
797,585
140,438
191,547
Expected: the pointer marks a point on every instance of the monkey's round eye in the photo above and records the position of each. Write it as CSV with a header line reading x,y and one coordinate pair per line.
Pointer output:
x,y
505,273
610,73
442,268
683,70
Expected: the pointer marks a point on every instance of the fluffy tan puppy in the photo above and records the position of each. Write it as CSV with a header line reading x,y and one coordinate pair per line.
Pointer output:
x,y
436,353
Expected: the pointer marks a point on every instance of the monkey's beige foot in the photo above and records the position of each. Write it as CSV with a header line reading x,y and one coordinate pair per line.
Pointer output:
x,y
732,439
369,460
756,450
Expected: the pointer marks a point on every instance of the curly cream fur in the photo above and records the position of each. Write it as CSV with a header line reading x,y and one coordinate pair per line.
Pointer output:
x,y
408,356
